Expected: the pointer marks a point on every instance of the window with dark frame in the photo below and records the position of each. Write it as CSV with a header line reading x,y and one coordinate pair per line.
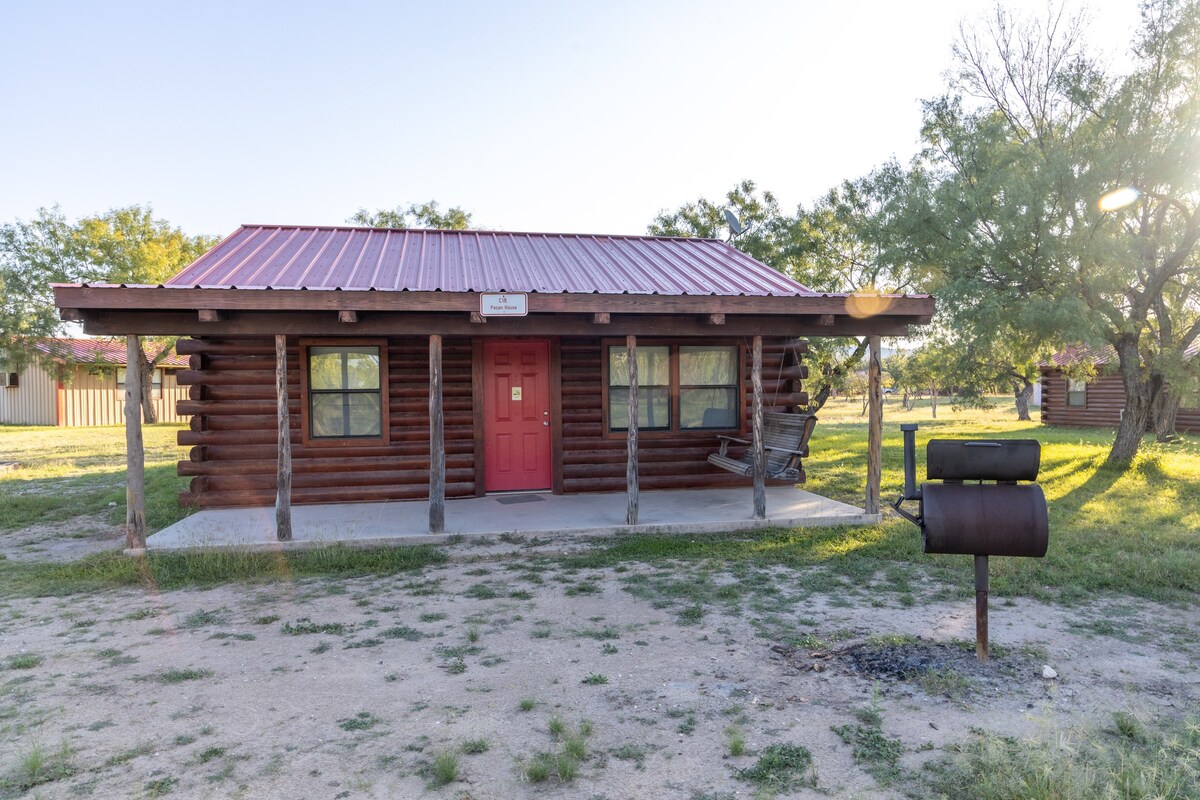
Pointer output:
x,y
1076,393
155,382
708,387
345,398
680,387
654,388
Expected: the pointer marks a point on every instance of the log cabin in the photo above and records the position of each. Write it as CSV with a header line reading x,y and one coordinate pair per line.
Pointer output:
x,y
338,364
1100,401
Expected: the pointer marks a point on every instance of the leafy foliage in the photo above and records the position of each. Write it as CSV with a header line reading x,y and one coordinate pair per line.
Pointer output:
x,y
415,215
1011,199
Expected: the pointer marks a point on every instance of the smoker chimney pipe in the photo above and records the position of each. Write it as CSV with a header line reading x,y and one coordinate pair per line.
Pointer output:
x,y
911,492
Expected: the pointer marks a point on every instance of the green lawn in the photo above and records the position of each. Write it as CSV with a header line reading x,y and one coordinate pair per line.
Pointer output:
x,y
1134,532
66,472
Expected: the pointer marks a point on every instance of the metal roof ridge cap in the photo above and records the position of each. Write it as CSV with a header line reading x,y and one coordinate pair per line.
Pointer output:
x,y
485,232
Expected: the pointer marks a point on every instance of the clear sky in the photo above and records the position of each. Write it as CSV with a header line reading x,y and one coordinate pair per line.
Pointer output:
x,y
545,116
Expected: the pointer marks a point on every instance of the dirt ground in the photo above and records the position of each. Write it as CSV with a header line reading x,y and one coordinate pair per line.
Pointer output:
x,y
353,688
63,541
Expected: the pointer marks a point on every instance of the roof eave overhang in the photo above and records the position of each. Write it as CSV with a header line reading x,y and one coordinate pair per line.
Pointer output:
x,y
145,310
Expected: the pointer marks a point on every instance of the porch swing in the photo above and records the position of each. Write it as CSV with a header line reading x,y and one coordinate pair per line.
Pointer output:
x,y
785,440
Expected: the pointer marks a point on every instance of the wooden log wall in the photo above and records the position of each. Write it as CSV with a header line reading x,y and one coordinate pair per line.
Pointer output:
x,y
1103,404
233,430
594,463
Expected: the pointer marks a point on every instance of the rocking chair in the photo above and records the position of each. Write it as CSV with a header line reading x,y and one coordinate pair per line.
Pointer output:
x,y
785,438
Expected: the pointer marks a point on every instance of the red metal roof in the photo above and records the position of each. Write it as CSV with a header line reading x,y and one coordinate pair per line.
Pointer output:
x,y
98,351
299,257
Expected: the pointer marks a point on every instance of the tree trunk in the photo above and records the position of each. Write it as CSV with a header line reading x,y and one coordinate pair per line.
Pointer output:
x,y
933,401
146,376
1164,405
817,401
1023,392
824,389
1137,403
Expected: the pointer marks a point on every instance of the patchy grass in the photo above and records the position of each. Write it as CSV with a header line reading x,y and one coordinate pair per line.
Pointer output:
x,y
1130,760
165,571
305,626
361,721
24,661
875,752
180,675
38,766
780,768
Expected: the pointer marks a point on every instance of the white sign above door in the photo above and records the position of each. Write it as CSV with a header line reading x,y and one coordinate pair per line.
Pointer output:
x,y
503,304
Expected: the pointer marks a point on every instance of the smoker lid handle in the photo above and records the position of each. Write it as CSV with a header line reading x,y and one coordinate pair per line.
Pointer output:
x,y
982,444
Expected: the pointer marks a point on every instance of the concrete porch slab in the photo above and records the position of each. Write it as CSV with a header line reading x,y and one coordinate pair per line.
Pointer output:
x,y
403,523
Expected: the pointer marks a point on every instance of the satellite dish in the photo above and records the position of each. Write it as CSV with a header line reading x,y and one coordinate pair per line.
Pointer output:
x,y
735,225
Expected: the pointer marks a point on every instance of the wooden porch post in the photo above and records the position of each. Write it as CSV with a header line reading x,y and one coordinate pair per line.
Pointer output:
x,y
437,443
135,461
874,425
283,479
631,441
756,422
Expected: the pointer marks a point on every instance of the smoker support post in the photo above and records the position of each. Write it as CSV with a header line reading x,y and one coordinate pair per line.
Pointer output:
x,y
981,608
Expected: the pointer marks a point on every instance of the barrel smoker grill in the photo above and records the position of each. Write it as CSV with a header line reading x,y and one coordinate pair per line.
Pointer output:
x,y
978,519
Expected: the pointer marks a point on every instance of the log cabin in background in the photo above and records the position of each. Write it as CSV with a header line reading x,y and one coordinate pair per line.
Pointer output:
x,y
333,364
1100,401
81,382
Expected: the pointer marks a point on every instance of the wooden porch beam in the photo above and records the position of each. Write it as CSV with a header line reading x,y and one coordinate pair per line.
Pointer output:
x,y
874,425
756,422
437,439
716,319
212,315
346,315
631,440
135,459
601,318
283,422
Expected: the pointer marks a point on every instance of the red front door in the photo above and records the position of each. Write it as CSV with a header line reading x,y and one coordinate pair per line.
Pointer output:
x,y
516,415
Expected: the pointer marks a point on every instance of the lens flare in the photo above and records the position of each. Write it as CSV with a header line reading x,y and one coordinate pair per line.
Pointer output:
x,y
1119,198
867,304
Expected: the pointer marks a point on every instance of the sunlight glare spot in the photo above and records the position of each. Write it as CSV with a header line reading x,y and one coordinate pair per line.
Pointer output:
x,y
1119,198
867,304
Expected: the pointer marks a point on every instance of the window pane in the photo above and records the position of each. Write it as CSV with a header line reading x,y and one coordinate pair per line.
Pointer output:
x,y
654,408
343,367
708,408
708,366
364,415
362,368
654,366
327,416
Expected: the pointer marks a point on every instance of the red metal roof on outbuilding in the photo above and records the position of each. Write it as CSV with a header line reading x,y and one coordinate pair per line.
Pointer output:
x,y
98,351
383,259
